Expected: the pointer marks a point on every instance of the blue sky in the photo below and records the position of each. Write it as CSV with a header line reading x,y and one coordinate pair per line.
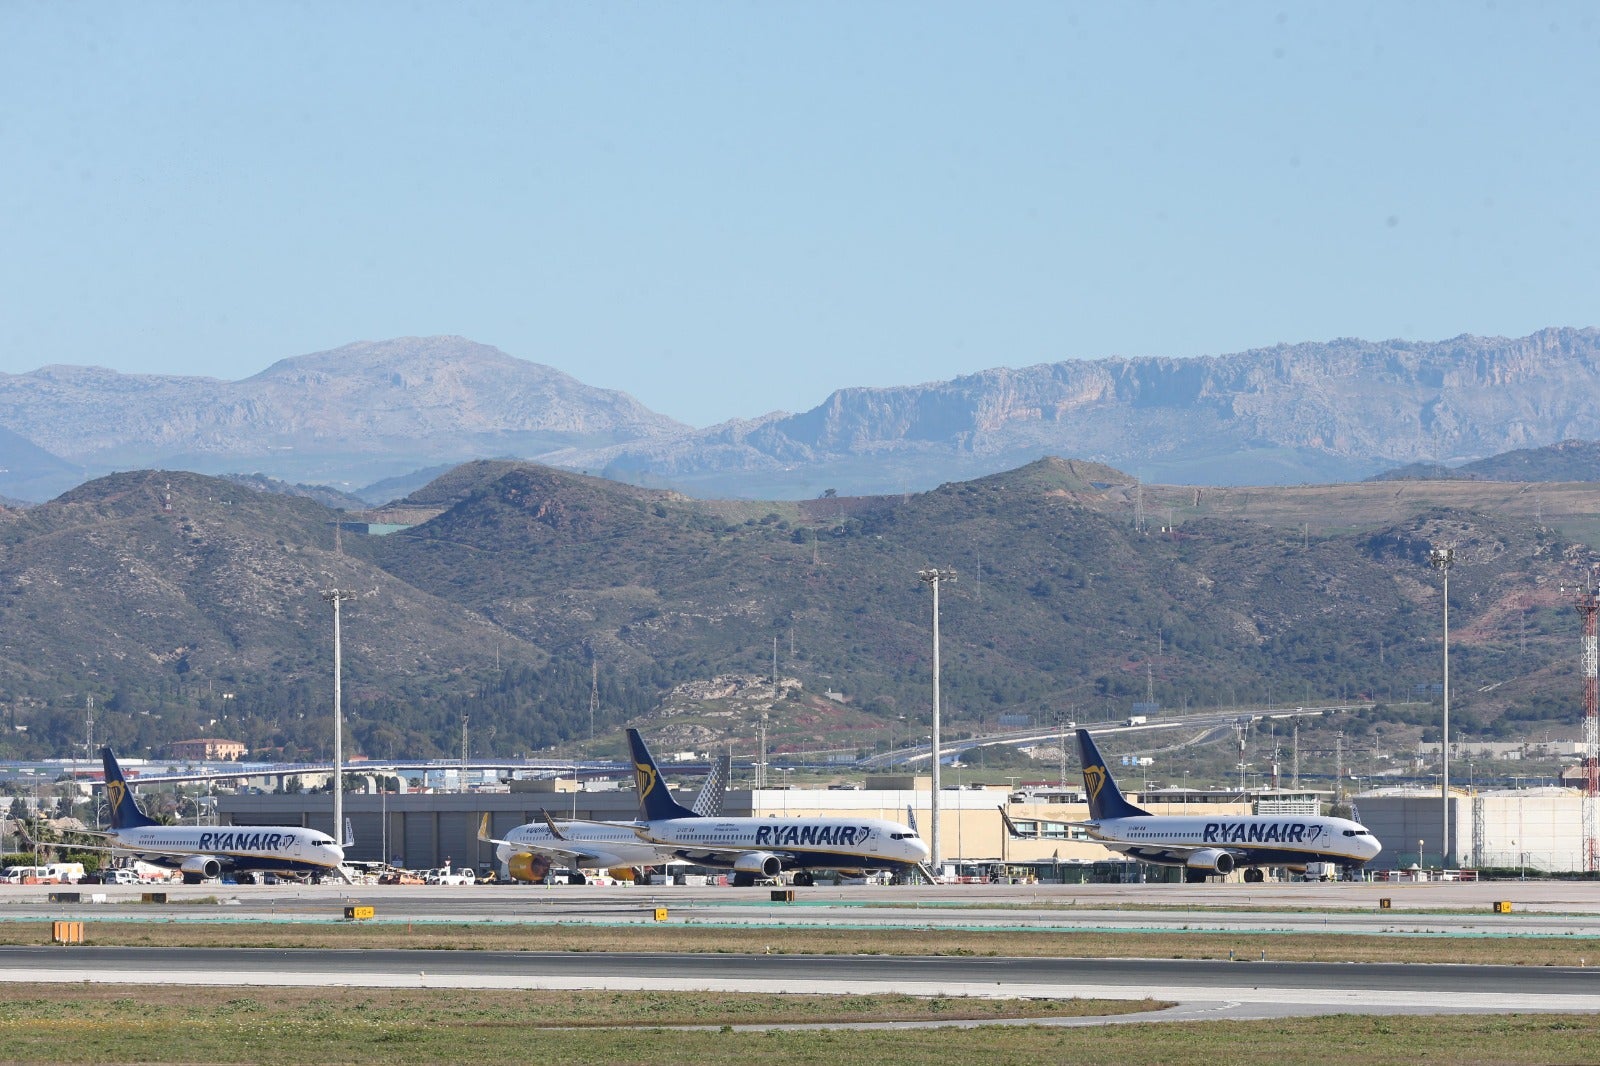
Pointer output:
x,y
726,209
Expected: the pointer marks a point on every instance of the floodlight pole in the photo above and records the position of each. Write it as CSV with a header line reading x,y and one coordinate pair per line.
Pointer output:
x,y
933,577
1443,559
335,596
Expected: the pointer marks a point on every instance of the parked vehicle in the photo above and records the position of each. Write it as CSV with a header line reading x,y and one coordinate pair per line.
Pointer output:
x,y
445,875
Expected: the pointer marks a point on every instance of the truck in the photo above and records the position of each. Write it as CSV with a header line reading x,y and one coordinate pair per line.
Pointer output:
x,y
1138,719
1321,871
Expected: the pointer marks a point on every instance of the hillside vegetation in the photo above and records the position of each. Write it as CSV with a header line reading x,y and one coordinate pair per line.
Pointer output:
x,y
186,605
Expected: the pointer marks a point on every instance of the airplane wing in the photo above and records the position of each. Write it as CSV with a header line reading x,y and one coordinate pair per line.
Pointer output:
x,y
1016,834
568,851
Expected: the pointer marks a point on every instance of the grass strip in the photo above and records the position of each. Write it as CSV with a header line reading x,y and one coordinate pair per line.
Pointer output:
x,y
504,936
73,1024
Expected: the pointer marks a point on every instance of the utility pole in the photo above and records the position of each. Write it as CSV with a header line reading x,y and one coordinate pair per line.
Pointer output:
x,y
933,577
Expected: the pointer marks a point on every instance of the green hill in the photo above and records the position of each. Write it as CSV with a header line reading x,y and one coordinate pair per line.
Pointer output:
x,y
209,616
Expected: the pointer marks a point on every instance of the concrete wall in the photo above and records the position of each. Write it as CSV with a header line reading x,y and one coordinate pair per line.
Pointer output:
x,y
1540,828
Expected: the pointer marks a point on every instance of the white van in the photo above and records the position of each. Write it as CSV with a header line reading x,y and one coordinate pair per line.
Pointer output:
x,y
64,873
22,875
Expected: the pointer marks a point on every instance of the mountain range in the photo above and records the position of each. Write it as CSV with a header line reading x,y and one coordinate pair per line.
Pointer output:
x,y
370,418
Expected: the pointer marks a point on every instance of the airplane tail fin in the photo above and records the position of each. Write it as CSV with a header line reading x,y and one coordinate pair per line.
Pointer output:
x,y
125,812
1105,799
349,834
655,801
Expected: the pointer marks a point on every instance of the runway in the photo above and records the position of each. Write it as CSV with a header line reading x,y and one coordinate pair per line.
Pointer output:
x,y
1210,989
1202,988
1566,909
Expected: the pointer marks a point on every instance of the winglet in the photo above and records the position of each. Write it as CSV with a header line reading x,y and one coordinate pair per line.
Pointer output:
x,y
551,822
1105,799
1010,826
483,830
125,812
655,801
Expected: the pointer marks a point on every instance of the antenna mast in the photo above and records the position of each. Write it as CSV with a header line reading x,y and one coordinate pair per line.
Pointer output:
x,y
1588,604
594,696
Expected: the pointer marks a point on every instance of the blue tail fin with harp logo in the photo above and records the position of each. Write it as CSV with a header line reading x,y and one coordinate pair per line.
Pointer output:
x,y
655,801
125,812
1105,799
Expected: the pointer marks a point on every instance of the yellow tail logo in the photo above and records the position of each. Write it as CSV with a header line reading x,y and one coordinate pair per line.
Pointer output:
x,y
645,774
1094,779
115,793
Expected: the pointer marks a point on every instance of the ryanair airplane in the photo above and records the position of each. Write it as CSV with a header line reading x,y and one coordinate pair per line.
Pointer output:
x,y
1214,844
201,852
764,847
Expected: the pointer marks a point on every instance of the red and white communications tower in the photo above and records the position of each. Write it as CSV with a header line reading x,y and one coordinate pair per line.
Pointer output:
x,y
1588,606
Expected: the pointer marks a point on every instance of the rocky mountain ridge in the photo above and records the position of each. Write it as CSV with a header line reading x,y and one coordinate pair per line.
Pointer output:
x,y
1319,413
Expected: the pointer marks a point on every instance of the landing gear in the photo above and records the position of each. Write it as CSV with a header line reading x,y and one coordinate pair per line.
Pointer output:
x,y
804,879
1254,876
743,880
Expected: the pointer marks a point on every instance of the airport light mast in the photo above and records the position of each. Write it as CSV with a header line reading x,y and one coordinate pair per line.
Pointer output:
x,y
933,577
1443,559
335,596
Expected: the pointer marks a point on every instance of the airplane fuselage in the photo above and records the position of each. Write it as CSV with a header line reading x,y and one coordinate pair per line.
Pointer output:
x,y
247,849
818,843
599,846
1252,840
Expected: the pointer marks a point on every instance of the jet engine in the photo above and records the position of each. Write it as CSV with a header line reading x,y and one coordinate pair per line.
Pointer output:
x,y
200,868
763,863
1212,859
527,866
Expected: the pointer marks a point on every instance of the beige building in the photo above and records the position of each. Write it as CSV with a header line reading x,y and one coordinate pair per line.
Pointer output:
x,y
207,749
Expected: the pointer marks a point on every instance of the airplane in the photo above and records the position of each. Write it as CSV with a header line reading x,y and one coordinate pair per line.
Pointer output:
x,y
528,850
763,847
1208,844
201,852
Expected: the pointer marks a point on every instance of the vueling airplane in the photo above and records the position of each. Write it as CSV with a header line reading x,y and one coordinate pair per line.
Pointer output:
x,y
200,852
1208,844
528,850
763,847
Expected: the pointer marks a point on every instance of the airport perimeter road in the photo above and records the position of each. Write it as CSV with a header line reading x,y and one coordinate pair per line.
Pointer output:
x,y
1202,988
1537,908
